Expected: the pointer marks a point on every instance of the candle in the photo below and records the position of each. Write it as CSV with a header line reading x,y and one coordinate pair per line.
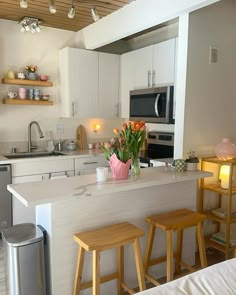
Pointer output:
x,y
101,174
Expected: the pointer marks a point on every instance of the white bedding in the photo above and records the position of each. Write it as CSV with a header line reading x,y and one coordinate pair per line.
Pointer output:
x,y
218,279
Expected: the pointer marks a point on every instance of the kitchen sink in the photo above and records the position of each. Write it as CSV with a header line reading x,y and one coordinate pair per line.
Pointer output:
x,y
32,155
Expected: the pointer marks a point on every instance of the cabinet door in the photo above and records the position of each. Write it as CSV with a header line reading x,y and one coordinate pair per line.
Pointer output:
x,y
164,63
143,67
20,212
126,82
79,82
108,85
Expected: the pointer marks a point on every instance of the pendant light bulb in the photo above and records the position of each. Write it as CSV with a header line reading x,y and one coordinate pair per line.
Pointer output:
x,y
94,14
23,4
52,7
71,13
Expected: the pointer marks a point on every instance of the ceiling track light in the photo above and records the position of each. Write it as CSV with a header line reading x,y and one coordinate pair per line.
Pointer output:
x,y
23,4
29,24
94,14
71,12
52,7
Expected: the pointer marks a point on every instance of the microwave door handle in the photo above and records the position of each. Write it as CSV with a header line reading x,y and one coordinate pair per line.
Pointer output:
x,y
156,105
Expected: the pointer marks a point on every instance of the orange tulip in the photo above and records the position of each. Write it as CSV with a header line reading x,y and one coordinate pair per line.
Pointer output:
x,y
116,131
124,126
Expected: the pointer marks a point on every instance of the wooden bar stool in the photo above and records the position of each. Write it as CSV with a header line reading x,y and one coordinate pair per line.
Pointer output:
x,y
117,235
169,222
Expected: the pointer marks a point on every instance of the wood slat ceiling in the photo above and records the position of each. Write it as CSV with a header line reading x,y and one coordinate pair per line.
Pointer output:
x,y
11,10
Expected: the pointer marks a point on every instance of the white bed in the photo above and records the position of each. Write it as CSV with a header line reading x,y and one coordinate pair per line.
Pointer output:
x,y
218,279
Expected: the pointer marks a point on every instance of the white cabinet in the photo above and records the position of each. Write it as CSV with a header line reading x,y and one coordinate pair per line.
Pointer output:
x,y
146,67
78,82
163,71
88,165
20,212
32,171
126,82
89,83
108,83
143,67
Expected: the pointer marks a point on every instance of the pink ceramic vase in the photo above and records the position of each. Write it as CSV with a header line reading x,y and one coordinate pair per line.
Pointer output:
x,y
225,150
119,169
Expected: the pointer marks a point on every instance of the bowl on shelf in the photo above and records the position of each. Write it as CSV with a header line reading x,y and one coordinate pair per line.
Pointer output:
x,y
45,96
44,77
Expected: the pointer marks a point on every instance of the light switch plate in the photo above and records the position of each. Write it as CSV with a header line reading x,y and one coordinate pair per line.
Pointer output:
x,y
213,55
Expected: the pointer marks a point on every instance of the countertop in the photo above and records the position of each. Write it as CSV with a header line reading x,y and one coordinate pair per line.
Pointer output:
x,y
85,186
67,154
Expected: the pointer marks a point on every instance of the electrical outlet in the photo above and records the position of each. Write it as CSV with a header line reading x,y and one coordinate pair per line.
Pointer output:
x,y
60,128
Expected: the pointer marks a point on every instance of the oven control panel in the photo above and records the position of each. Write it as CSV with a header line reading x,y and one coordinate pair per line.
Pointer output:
x,y
163,138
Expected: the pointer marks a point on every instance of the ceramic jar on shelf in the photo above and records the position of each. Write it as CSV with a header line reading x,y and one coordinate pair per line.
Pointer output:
x,y
225,150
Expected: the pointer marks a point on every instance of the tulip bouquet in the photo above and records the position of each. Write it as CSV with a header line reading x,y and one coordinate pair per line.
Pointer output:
x,y
126,144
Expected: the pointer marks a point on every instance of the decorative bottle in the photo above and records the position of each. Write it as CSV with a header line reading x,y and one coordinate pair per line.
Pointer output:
x,y
225,150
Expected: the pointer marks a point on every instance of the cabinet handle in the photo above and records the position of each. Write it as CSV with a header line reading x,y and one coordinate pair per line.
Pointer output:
x,y
88,163
153,78
73,109
149,78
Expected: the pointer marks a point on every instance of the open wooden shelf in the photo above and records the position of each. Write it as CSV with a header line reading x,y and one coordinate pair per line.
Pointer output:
x,y
27,82
215,187
27,102
216,218
218,246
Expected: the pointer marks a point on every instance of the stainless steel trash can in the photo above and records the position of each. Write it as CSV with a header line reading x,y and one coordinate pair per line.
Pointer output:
x,y
24,259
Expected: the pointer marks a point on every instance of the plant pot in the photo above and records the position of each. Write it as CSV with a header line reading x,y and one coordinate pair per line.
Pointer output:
x,y
191,166
119,169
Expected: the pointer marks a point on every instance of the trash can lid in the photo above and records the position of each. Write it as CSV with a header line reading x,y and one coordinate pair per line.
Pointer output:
x,y
22,234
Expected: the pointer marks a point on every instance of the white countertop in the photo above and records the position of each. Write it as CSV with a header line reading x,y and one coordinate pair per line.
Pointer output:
x,y
67,154
85,186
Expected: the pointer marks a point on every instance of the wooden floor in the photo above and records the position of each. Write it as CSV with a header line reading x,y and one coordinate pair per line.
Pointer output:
x,y
213,256
2,274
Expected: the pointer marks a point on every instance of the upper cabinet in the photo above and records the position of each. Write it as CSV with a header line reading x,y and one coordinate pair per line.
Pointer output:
x,y
89,83
147,67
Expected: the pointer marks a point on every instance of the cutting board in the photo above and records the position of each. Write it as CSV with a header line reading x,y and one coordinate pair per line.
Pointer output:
x,y
81,137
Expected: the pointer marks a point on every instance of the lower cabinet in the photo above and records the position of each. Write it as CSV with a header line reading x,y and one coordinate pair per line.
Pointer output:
x,y
88,165
23,172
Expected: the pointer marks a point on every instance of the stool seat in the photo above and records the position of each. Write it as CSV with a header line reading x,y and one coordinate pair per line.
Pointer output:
x,y
108,237
170,222
175,220
98,240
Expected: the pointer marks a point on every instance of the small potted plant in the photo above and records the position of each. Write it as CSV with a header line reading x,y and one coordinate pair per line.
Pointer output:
x,y
192,161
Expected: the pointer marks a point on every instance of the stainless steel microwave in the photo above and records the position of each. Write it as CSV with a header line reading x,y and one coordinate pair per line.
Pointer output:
x,y
153,105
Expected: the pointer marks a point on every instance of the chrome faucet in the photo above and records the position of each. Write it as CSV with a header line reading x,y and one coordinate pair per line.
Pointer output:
x,y
30,146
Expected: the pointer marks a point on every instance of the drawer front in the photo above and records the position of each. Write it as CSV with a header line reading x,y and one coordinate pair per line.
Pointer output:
x,y
46,165
90,163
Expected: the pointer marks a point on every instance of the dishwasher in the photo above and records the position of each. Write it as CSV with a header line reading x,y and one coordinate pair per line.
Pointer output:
x,y
5,197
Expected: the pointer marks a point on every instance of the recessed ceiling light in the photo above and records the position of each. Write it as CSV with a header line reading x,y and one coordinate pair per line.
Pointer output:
x,y
23,4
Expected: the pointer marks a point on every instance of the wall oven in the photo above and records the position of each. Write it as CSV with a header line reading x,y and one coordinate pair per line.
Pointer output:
x,y
160,145
152,105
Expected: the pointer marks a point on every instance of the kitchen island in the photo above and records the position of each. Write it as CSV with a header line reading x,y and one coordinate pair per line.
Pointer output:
x,y
67,206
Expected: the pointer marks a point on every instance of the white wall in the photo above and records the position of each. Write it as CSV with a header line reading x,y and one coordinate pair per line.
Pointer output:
x,y
210,89
18,50
135,17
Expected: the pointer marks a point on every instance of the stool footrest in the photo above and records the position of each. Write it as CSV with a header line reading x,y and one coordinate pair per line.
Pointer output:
x,y
151,279
129,290
189,267
157,260
104,279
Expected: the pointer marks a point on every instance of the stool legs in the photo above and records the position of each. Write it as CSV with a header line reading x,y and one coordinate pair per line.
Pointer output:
x,y
120,279
96,272
178,257
201,245
139,265
169,255
78,272
149,246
